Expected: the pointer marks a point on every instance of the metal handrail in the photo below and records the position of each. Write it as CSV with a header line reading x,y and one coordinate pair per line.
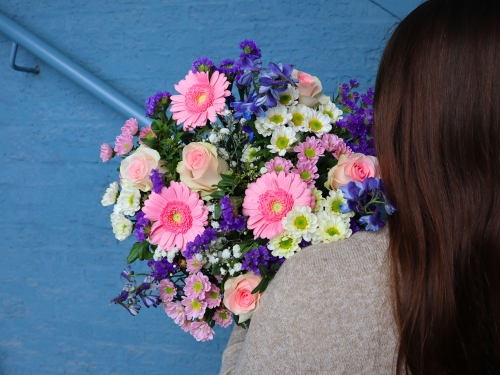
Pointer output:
x,y
72,70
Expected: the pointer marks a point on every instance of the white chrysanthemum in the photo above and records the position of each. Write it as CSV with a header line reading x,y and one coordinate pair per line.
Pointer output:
x,y
332,111
300,222
284,245
110,195
290,96
122,227
319,198
249,154
129,200
281,140
333,202
299,113
275,117
318,123
331,228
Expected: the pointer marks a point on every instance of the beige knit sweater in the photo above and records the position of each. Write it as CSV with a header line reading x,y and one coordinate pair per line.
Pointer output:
x,y
327,311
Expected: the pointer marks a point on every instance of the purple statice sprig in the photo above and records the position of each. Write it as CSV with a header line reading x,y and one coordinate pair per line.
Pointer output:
x,y
140,226
229,220
152,103
157,180
369,200
201,242
260,256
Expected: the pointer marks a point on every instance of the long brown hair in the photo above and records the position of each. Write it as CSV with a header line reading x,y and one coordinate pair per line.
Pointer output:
x,y
437,137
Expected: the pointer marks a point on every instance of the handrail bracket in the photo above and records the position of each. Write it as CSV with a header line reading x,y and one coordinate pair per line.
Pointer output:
x,y
12,62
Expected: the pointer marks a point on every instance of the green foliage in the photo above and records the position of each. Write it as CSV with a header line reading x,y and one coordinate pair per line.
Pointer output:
x,y
140,251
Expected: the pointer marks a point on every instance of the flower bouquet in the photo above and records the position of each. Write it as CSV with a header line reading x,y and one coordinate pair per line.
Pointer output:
x,y
242,168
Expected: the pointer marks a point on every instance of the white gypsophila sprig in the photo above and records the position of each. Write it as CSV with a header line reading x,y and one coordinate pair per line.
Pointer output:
x,y
332,111
249,154
300,222
318,123
331,228
110,194
284,245
122,227
333,202
289,97
282,140
299,115
159,254
129,200
172,253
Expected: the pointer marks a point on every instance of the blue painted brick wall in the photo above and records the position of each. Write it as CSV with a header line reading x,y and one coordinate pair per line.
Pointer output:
x,y
60,262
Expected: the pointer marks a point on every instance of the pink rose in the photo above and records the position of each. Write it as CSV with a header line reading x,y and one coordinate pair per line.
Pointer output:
x,y
200,167
309,89
238,297
357,167
136,168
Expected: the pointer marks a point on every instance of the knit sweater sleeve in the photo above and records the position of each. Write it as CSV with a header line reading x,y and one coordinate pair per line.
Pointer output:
x,y
327,311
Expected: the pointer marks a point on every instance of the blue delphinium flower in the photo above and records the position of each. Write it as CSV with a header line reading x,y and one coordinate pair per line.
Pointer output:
x,y
202,64
152,102
127,273
368,199
157,180
229,221
273,82
259,256
251,68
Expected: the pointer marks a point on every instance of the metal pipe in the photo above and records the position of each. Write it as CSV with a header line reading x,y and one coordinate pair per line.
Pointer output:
x,y
72,70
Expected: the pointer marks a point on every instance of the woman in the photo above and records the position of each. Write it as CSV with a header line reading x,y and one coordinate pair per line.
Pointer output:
x,y
423,296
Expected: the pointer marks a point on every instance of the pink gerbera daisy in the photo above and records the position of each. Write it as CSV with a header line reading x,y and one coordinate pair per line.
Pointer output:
x,y
307,172
279,164
179,215
146,132
201,98
223,317
201,331
270,198
310,150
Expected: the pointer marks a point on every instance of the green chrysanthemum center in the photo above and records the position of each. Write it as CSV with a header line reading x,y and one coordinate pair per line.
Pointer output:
x,y
223,315
282,142
278,169
336,205
214,295
131,200
332,231
305,175
328,113
286,243
300,222
198,286
253,154
297,118
277,119
149,135
169,290
285,99
195,305
315,125
310,153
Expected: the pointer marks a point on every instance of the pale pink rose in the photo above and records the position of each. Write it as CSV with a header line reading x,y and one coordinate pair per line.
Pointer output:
x,y
136,168
201,168
356,168
309,89
238,297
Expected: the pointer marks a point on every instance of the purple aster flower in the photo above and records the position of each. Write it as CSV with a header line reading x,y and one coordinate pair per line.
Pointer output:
x,y
368,199
229,221
153,102
228,67
202,64
157,180
250,48
259,256
140,225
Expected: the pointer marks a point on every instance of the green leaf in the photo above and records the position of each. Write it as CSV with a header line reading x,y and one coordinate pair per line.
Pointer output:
x,y
217,211
275,267
262,285
217,194
137,251
225,183
216,269
151,142
263,270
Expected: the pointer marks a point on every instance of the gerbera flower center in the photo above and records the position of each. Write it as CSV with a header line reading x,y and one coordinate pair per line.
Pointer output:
x,y
332,231
301,222
176,217
315,125
310,153
285,99
297,118
282,142
275,204
286,243
199,97
277,119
